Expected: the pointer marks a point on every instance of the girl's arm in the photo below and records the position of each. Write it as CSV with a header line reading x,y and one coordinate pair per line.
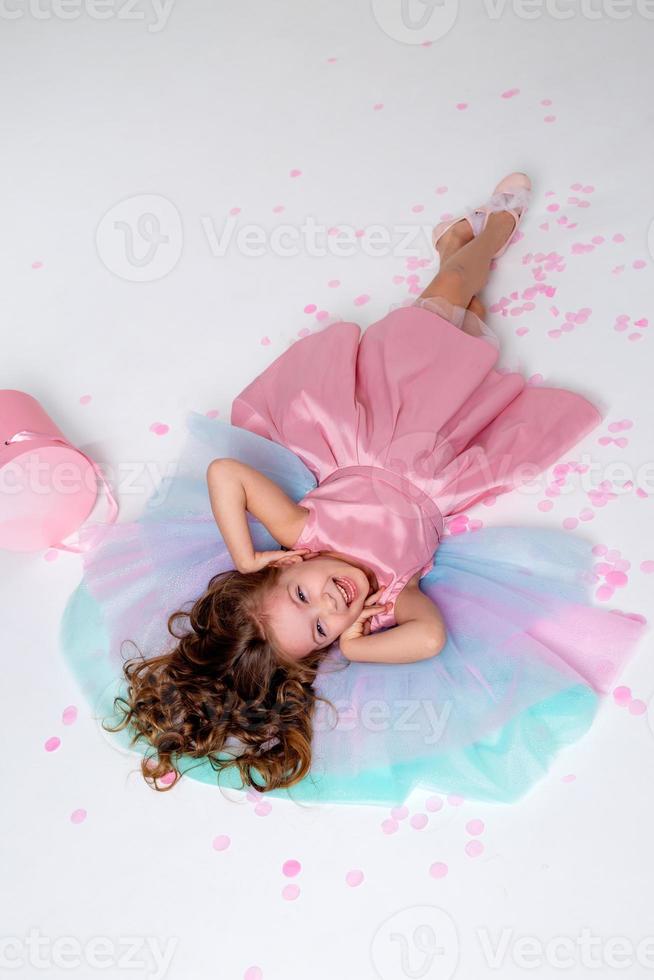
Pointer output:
x,y
419,635
234,488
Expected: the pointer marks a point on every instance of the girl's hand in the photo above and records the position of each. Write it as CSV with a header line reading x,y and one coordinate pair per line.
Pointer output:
x,y
361,626
263,558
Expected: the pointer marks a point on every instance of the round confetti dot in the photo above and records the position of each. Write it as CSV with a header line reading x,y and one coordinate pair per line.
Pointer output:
x,y
438,869
474,848
617,579
290,892
354,878
390,826
569,778
263,809
333,283
291,868
310,308
461,106
78,816
234,211
85,399
637,707
418,821
570,523
475,827
51,555
647,567
159,428
399,812
221,843
52,744
434,804
360,300
69,715
622,695
168,778
254,972
295,173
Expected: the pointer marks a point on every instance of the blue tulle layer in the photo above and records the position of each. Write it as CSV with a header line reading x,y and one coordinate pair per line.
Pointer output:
x,y
527,660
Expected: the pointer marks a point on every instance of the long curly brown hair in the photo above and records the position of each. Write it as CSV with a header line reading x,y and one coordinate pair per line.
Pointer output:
x,y
226,680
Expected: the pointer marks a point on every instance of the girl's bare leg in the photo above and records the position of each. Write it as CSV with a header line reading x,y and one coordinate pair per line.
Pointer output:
x,y
465,261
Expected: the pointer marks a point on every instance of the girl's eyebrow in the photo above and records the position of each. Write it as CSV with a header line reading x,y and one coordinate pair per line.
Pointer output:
x,y
311,633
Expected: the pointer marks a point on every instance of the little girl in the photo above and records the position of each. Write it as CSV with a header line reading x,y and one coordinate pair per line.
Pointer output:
x,y
461,662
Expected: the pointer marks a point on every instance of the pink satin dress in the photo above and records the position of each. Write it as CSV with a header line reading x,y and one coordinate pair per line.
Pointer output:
x,y
402,426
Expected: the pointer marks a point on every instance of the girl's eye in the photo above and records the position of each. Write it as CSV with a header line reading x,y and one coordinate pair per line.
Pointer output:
x,y
302,598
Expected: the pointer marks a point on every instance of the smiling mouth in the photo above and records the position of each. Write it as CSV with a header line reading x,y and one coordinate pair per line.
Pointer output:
x,y
348,590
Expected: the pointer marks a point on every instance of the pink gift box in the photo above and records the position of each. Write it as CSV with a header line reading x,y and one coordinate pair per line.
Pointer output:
x,y
48,487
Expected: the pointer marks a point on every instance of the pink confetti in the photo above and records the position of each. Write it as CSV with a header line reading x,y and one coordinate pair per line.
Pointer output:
x,y
438,869
474,848
354,878
291,868
78,816
85,399
419,821
295,173
622,696
159,428
221,843
360,300
435,803
637,707
475,827
69,715
254,972
290,892
510,93
52,744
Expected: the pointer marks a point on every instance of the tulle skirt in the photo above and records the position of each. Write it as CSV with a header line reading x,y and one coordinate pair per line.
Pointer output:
x,y
528,660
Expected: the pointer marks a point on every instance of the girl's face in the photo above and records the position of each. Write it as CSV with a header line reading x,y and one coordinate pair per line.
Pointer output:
x,y
307,608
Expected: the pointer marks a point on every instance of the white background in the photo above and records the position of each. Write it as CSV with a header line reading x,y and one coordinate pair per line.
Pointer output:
x,y
211,111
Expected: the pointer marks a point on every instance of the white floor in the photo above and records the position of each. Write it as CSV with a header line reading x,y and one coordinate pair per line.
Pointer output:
x,y
333,113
